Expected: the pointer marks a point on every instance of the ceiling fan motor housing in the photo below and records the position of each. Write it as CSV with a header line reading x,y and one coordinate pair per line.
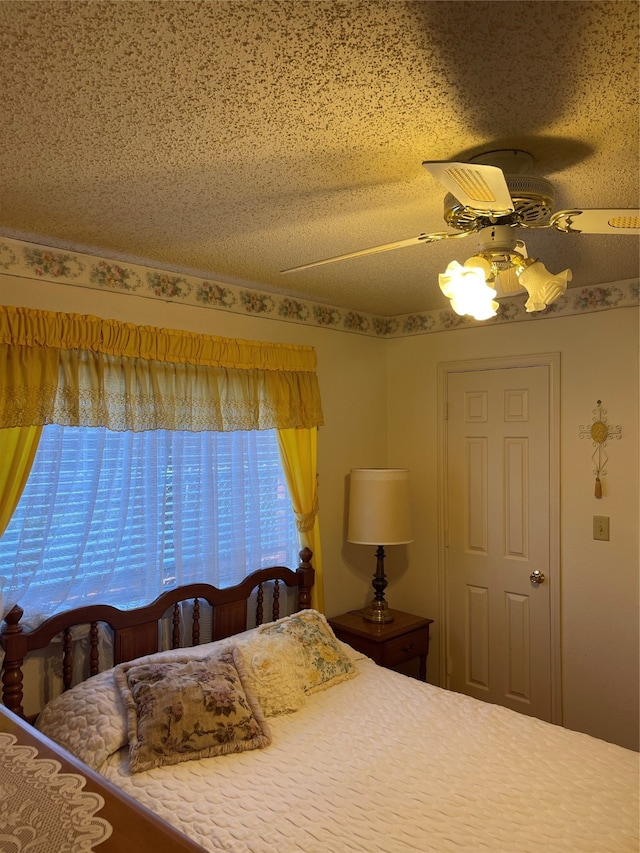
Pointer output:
x,y
533,202
499,245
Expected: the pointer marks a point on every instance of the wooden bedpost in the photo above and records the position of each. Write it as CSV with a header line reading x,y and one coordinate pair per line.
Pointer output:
x,y
14,644
306,575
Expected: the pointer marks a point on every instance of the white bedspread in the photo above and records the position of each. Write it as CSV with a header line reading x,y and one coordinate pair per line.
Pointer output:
x,y
386,763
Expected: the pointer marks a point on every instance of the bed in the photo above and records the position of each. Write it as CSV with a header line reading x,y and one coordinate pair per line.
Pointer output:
x,y
323,750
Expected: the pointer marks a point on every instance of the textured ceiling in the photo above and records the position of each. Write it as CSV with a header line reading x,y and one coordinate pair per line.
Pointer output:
x,y
237,139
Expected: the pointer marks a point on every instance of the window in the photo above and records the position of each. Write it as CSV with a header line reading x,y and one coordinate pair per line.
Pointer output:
x,y
121,516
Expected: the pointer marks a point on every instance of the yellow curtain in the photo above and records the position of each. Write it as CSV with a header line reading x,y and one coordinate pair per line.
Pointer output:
x,y
17,451
79,370
298,451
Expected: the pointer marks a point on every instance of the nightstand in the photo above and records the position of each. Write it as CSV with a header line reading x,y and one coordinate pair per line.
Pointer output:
x,y
389,645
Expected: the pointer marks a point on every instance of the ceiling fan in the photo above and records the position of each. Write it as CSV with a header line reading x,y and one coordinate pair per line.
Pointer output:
x,y
492,196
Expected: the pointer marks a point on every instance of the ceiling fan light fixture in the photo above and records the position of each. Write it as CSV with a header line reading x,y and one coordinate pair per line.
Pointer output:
x,y
466,286
505,268
542,286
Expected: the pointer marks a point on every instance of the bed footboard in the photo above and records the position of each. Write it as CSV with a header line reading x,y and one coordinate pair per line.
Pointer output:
x,y
136,632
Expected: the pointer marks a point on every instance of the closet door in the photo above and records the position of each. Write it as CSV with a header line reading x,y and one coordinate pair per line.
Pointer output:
x,y
498,568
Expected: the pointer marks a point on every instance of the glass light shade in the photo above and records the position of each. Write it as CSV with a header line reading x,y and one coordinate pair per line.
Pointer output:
x,y
379,507
479,263
506,282
466,286
542,286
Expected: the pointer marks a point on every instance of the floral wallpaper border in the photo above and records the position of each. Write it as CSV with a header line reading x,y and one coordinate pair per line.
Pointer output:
x,y
30,260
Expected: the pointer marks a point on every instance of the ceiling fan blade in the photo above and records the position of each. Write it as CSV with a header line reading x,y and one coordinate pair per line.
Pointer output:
x,y
605,221
386,247
479,187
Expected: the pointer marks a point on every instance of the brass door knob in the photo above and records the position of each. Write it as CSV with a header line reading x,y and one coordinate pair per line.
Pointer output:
x,y
536,576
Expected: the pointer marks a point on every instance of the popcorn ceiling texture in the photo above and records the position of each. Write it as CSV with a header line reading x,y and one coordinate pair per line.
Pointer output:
x,y
235,139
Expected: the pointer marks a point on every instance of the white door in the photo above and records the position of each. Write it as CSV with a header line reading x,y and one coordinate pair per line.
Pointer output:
x,y
498,612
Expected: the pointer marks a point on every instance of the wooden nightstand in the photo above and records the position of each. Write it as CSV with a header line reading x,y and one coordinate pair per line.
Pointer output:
x,y
389,645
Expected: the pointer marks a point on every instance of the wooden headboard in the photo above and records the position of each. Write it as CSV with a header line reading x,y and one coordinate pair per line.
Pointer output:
x,y
136,632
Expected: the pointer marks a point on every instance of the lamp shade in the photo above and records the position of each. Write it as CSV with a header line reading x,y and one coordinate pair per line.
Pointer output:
x,y
379,507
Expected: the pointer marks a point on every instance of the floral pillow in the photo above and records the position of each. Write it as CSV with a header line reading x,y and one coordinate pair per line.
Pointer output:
x,y
275,665
325,661
90,720
182,710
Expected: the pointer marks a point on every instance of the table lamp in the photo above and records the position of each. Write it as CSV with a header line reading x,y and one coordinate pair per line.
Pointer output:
x,y
379,514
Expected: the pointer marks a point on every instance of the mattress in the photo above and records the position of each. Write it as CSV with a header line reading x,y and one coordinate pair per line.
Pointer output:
x,y
383,762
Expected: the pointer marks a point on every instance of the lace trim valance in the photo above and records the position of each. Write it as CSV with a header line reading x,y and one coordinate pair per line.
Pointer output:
x,y
84,371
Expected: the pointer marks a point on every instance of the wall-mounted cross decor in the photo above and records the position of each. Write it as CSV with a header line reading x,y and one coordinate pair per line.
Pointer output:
x,y
599,432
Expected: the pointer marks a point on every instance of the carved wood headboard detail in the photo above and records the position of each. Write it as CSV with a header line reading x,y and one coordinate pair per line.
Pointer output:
x,y
136,632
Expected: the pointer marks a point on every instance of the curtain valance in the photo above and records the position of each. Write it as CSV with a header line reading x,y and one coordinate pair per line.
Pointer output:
x,y
81,370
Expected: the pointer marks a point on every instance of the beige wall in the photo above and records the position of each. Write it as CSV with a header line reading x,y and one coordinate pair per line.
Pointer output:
x,y
599,580
380,405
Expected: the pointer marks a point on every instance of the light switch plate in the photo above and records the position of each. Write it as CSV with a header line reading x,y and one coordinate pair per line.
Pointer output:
x,y
601,527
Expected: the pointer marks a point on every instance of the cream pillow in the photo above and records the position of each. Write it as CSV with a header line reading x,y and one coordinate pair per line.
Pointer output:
x,y
275,665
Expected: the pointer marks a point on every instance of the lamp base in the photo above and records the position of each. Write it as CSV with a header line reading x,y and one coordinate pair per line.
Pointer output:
x,y
378,612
